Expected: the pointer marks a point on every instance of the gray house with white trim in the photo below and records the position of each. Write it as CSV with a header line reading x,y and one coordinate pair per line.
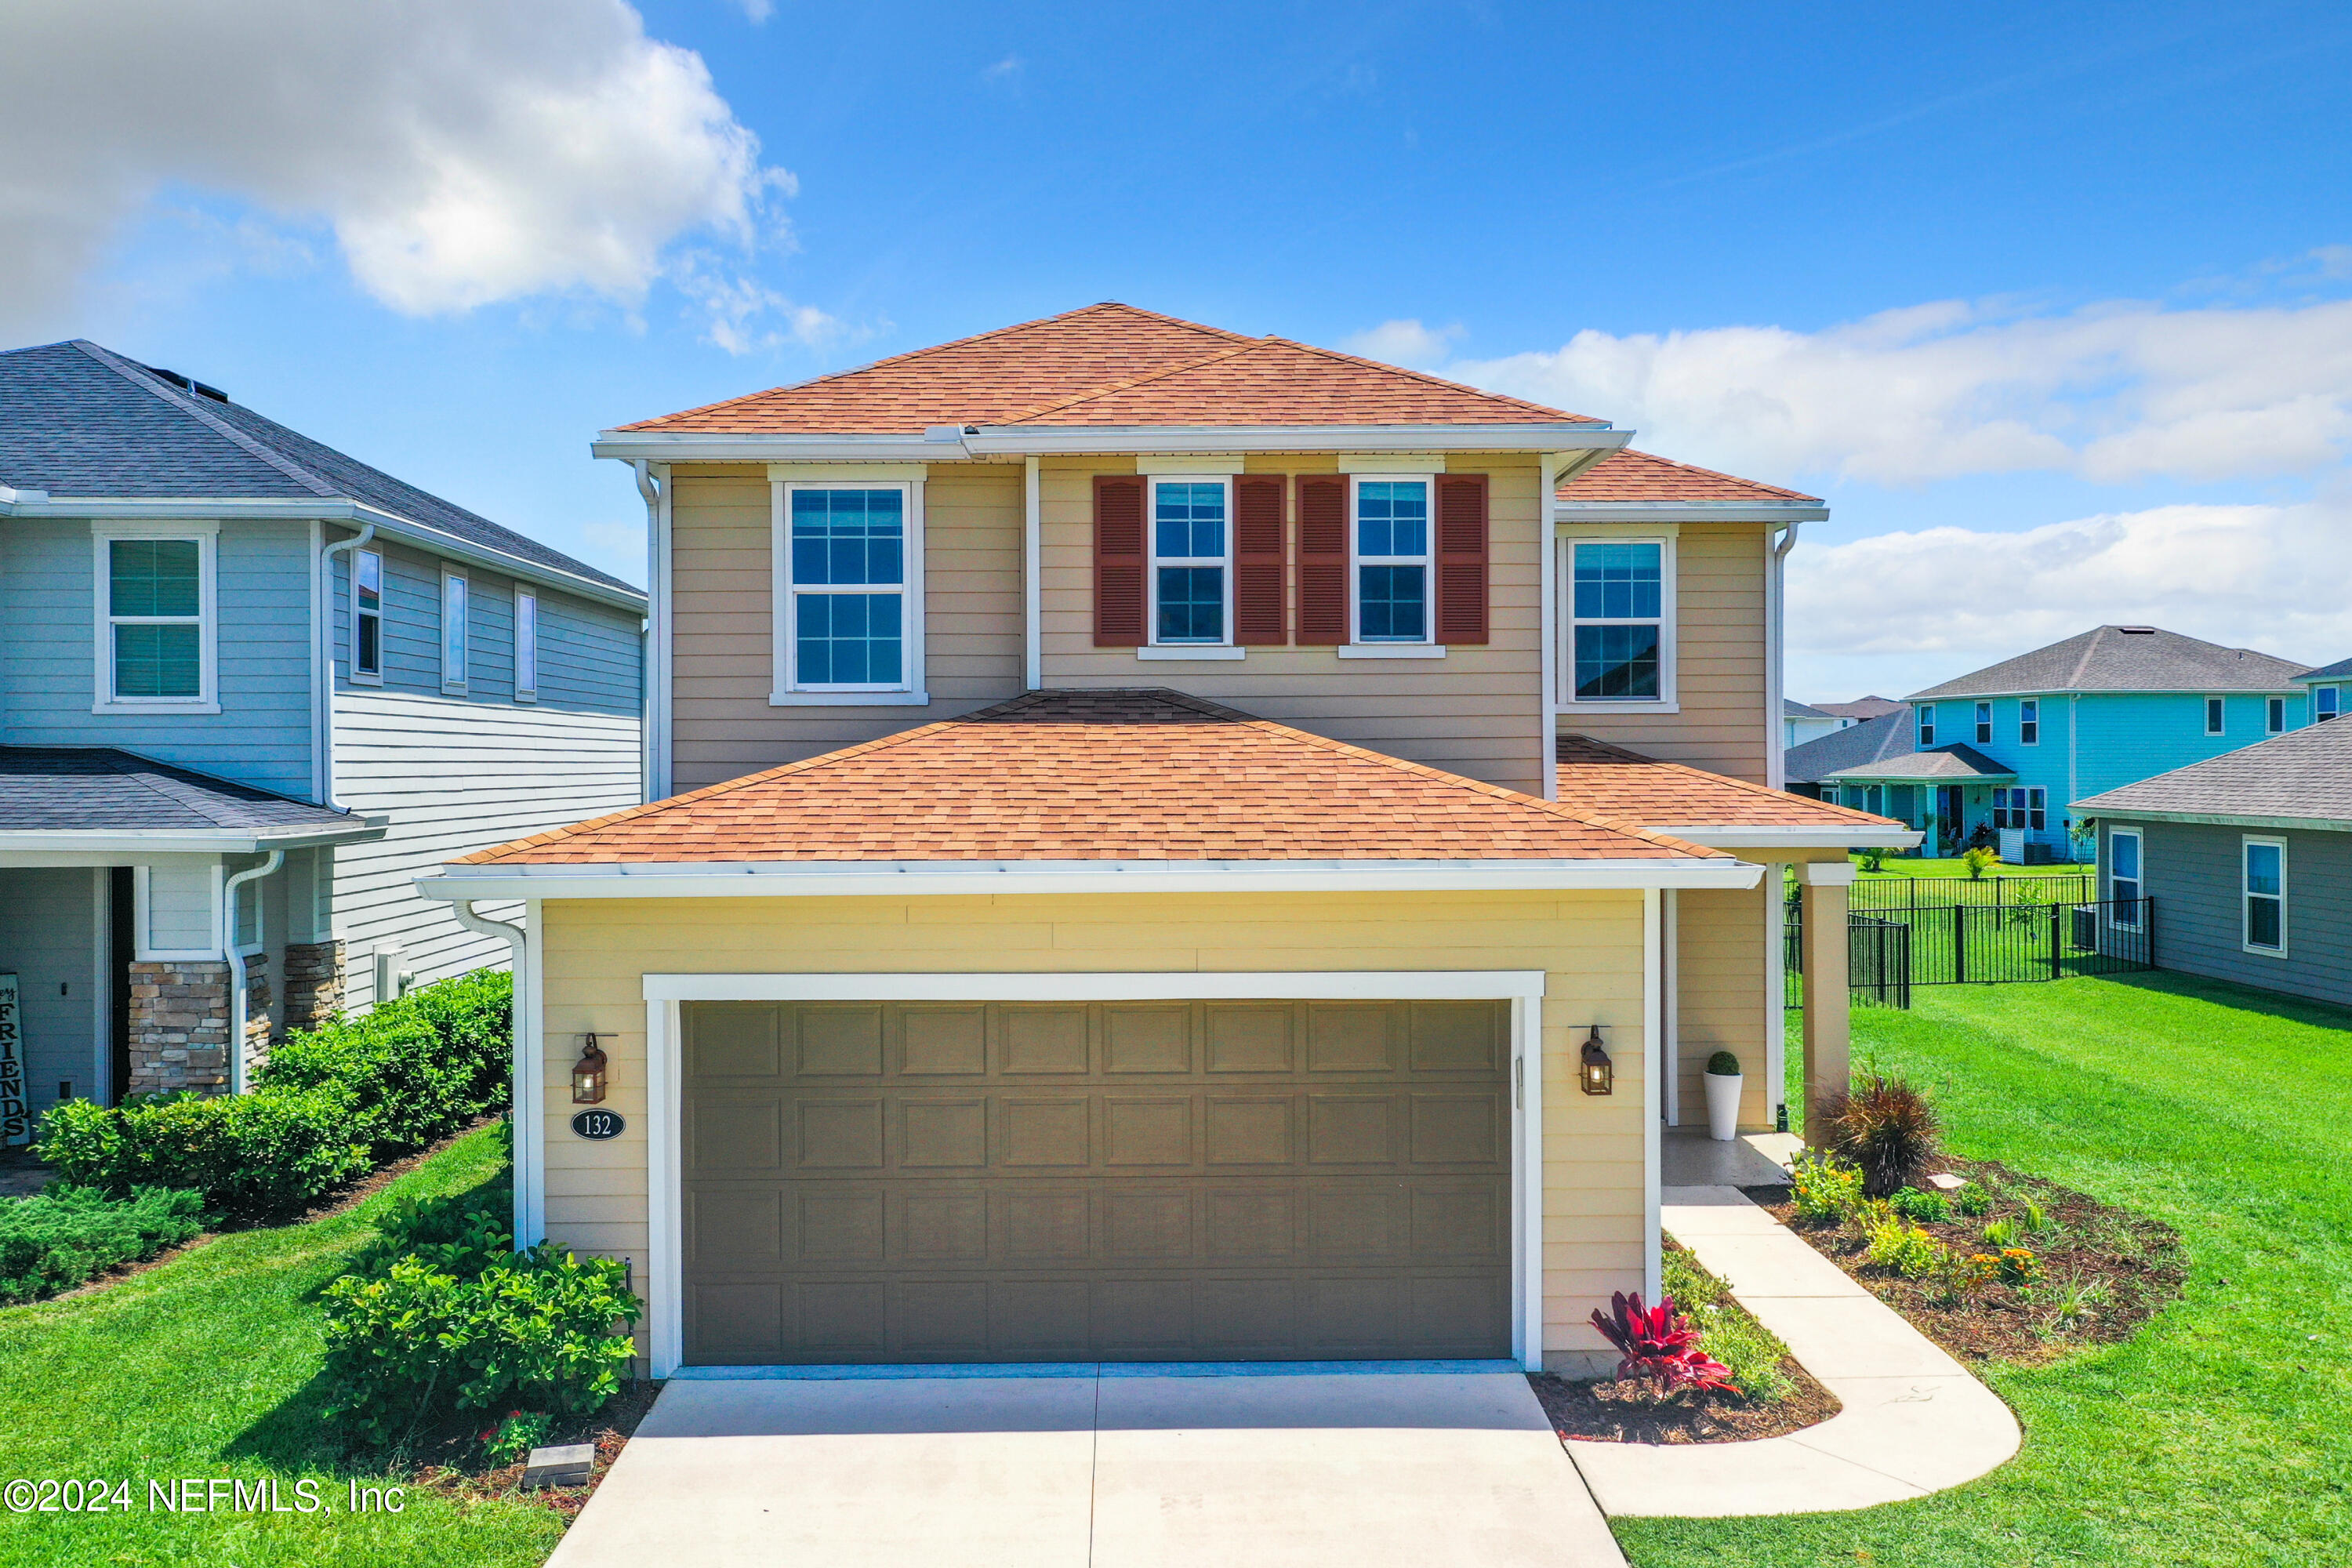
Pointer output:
x,y
2248,859
207,747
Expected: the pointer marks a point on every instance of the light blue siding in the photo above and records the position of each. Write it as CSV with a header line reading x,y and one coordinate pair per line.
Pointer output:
x,y
50,612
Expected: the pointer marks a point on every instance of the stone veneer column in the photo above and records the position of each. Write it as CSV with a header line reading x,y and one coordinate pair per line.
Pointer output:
x,y
256,1016
314,983
178,1027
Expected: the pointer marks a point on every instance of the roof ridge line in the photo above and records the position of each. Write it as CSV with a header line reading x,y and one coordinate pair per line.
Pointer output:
x,y
1230,351
139,375
1437,381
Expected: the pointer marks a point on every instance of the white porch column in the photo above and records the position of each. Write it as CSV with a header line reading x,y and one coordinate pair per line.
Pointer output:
x,y
1828,1045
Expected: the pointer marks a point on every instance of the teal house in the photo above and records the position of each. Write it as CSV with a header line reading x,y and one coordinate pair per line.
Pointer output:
x,y
1994,756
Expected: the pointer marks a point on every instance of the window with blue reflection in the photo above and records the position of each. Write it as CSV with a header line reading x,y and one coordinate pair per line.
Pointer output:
x,y
1617,661
1392,604
1620,581
1392,517
1188,552
849,537
843,541
850,639
1391,560
1617,602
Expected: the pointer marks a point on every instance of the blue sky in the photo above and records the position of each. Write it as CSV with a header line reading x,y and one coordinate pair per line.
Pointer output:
x,y
2054,305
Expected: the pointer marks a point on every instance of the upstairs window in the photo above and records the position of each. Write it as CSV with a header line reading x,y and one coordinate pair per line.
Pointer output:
x,y
2265,895
1392,561
1191,562
1926,725
367,615
843,608
526,646
1984,723
1618,597
2029,723
157,642
2274,715
2326,703
2215,714
2123,875
455,595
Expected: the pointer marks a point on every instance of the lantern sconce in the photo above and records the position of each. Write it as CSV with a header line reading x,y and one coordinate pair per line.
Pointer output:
x,y
588,1074
1594,1074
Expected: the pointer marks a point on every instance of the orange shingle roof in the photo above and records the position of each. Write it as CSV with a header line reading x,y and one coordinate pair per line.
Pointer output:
x,y
1630,476
1096,775
1108,364
1606,781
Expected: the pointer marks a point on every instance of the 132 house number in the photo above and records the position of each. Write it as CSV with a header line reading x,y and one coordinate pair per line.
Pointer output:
x,y
598,1124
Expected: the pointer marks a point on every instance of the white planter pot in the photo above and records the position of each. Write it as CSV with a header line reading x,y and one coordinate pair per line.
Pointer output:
x,y
1723,1105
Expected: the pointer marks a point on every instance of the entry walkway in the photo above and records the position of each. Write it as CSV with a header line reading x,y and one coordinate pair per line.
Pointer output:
x,y
1116,1467
1913,1423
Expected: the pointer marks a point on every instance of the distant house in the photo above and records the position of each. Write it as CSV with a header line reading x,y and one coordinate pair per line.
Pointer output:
x,y
1871,741
207,749
2327,687
2247,859
2018,739
1861,710
1800,723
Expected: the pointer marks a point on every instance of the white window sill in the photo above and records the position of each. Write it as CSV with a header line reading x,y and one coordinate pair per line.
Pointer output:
x,y
526,696
448,689
2263,952
849,700
1191,651
364,678
151,709
1594,705
1389,650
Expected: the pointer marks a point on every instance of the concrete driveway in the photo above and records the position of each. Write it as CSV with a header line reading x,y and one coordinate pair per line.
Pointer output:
x,y
1095,1468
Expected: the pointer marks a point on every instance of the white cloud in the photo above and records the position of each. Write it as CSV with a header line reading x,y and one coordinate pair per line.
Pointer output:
x,y
1909,608
1931,392
756,11
1005,72
1405,342
743,315
461,153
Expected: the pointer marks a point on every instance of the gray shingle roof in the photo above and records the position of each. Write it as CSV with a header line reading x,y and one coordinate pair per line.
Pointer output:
x,y
1868,742
2116,658
1958,760
2340,670
1792,709
77,420
1862,708
2305,774
83,789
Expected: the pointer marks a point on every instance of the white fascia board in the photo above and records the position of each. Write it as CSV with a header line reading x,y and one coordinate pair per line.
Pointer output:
x,y
2109,691
120,841
658,446
1158,985
1767,511
1022,441
2126,817
1735,837
920,878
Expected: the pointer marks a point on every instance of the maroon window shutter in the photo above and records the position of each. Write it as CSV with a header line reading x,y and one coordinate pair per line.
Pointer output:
x,y
1322,559
1460,558
1261,597
1119,563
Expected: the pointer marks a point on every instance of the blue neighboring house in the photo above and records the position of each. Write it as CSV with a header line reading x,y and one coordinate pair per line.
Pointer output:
x,y
1994,757
215,765
2327,688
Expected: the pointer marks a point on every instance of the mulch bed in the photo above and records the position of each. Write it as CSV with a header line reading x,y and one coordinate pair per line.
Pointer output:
x,y
1634,1412
2131,1267
460,1471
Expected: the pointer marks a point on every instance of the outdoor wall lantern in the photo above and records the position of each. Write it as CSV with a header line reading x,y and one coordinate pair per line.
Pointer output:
x,y
1594,1072
588,1075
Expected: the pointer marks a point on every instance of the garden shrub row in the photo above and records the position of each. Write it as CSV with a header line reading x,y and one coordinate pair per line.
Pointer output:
x,y
70,1235
443,1316
330,1105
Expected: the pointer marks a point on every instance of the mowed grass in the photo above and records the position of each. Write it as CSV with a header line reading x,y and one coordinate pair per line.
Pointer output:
x,y
1906,866
2222,1433
206,1366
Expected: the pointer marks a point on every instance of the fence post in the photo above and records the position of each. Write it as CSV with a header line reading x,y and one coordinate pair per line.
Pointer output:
x,y
1959,943
2057,953
2147,923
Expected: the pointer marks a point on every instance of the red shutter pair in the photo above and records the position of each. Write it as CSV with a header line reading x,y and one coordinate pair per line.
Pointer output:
x,y
1122,557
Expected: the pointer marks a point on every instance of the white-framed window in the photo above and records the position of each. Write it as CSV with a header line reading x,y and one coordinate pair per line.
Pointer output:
x,y
1926,725
2029,723
2124,881
526,645
2216,715
2265,864
455,593
1191,577
1984,723
367,617
157,621
1621,618
2021,807
2274,715
2326,701
1391,559
847,626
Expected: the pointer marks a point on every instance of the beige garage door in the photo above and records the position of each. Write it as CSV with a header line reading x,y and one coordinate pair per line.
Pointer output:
x,y
1128,1181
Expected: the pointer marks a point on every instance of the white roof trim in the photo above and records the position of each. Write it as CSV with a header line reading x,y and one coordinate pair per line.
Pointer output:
x,y
2211,818
223,841
1776,512
1283,984
1021,441
1823,837
917,879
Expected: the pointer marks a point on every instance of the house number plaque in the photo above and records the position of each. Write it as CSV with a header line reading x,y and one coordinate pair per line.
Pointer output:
x,y
598,1125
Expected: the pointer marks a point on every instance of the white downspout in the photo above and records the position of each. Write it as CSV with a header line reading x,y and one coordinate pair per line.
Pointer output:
x,y
1775,762
1032,597
1776,1018
655,490
235,961
528,1114
326,693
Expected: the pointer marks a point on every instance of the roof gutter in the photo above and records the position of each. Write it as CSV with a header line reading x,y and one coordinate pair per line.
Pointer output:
x,y
953,443
1734,836
2091,808
178,841
1771,511
920,878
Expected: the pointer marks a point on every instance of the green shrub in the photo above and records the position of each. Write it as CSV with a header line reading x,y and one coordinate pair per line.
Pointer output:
x,y
1972,1200
1925,1208
419,1068
70,1235
514,1438
2003,1233
1887,1128
1980,860
1904,1248
1725,1332
1824,1187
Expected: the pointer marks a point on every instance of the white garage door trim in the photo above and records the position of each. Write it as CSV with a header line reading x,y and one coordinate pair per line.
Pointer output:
x,y
1523,988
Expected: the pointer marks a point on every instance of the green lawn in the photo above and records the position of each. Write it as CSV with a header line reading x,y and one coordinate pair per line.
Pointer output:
x,y
207,1366
1902,865
2222,1433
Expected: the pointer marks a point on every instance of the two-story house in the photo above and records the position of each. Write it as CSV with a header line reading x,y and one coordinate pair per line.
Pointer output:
x,y
1177,845
1996,755
248,686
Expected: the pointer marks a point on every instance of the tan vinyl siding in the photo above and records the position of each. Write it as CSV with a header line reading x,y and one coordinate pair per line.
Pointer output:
x,y
1590,944
1720,679
1719,983
1476,711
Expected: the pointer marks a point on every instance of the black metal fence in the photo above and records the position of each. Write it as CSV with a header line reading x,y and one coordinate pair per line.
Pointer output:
x,y
1875,893
1890,950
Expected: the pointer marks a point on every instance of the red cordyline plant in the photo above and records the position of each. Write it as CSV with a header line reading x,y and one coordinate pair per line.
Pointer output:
x,y
1659,1343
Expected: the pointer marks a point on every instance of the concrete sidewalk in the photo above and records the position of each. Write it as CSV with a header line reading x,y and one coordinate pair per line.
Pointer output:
x,y
1914,1421
1109,1466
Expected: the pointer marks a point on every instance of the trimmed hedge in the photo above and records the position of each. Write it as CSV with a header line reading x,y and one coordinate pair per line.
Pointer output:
x,y
331,1106
443,1315
70,1235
